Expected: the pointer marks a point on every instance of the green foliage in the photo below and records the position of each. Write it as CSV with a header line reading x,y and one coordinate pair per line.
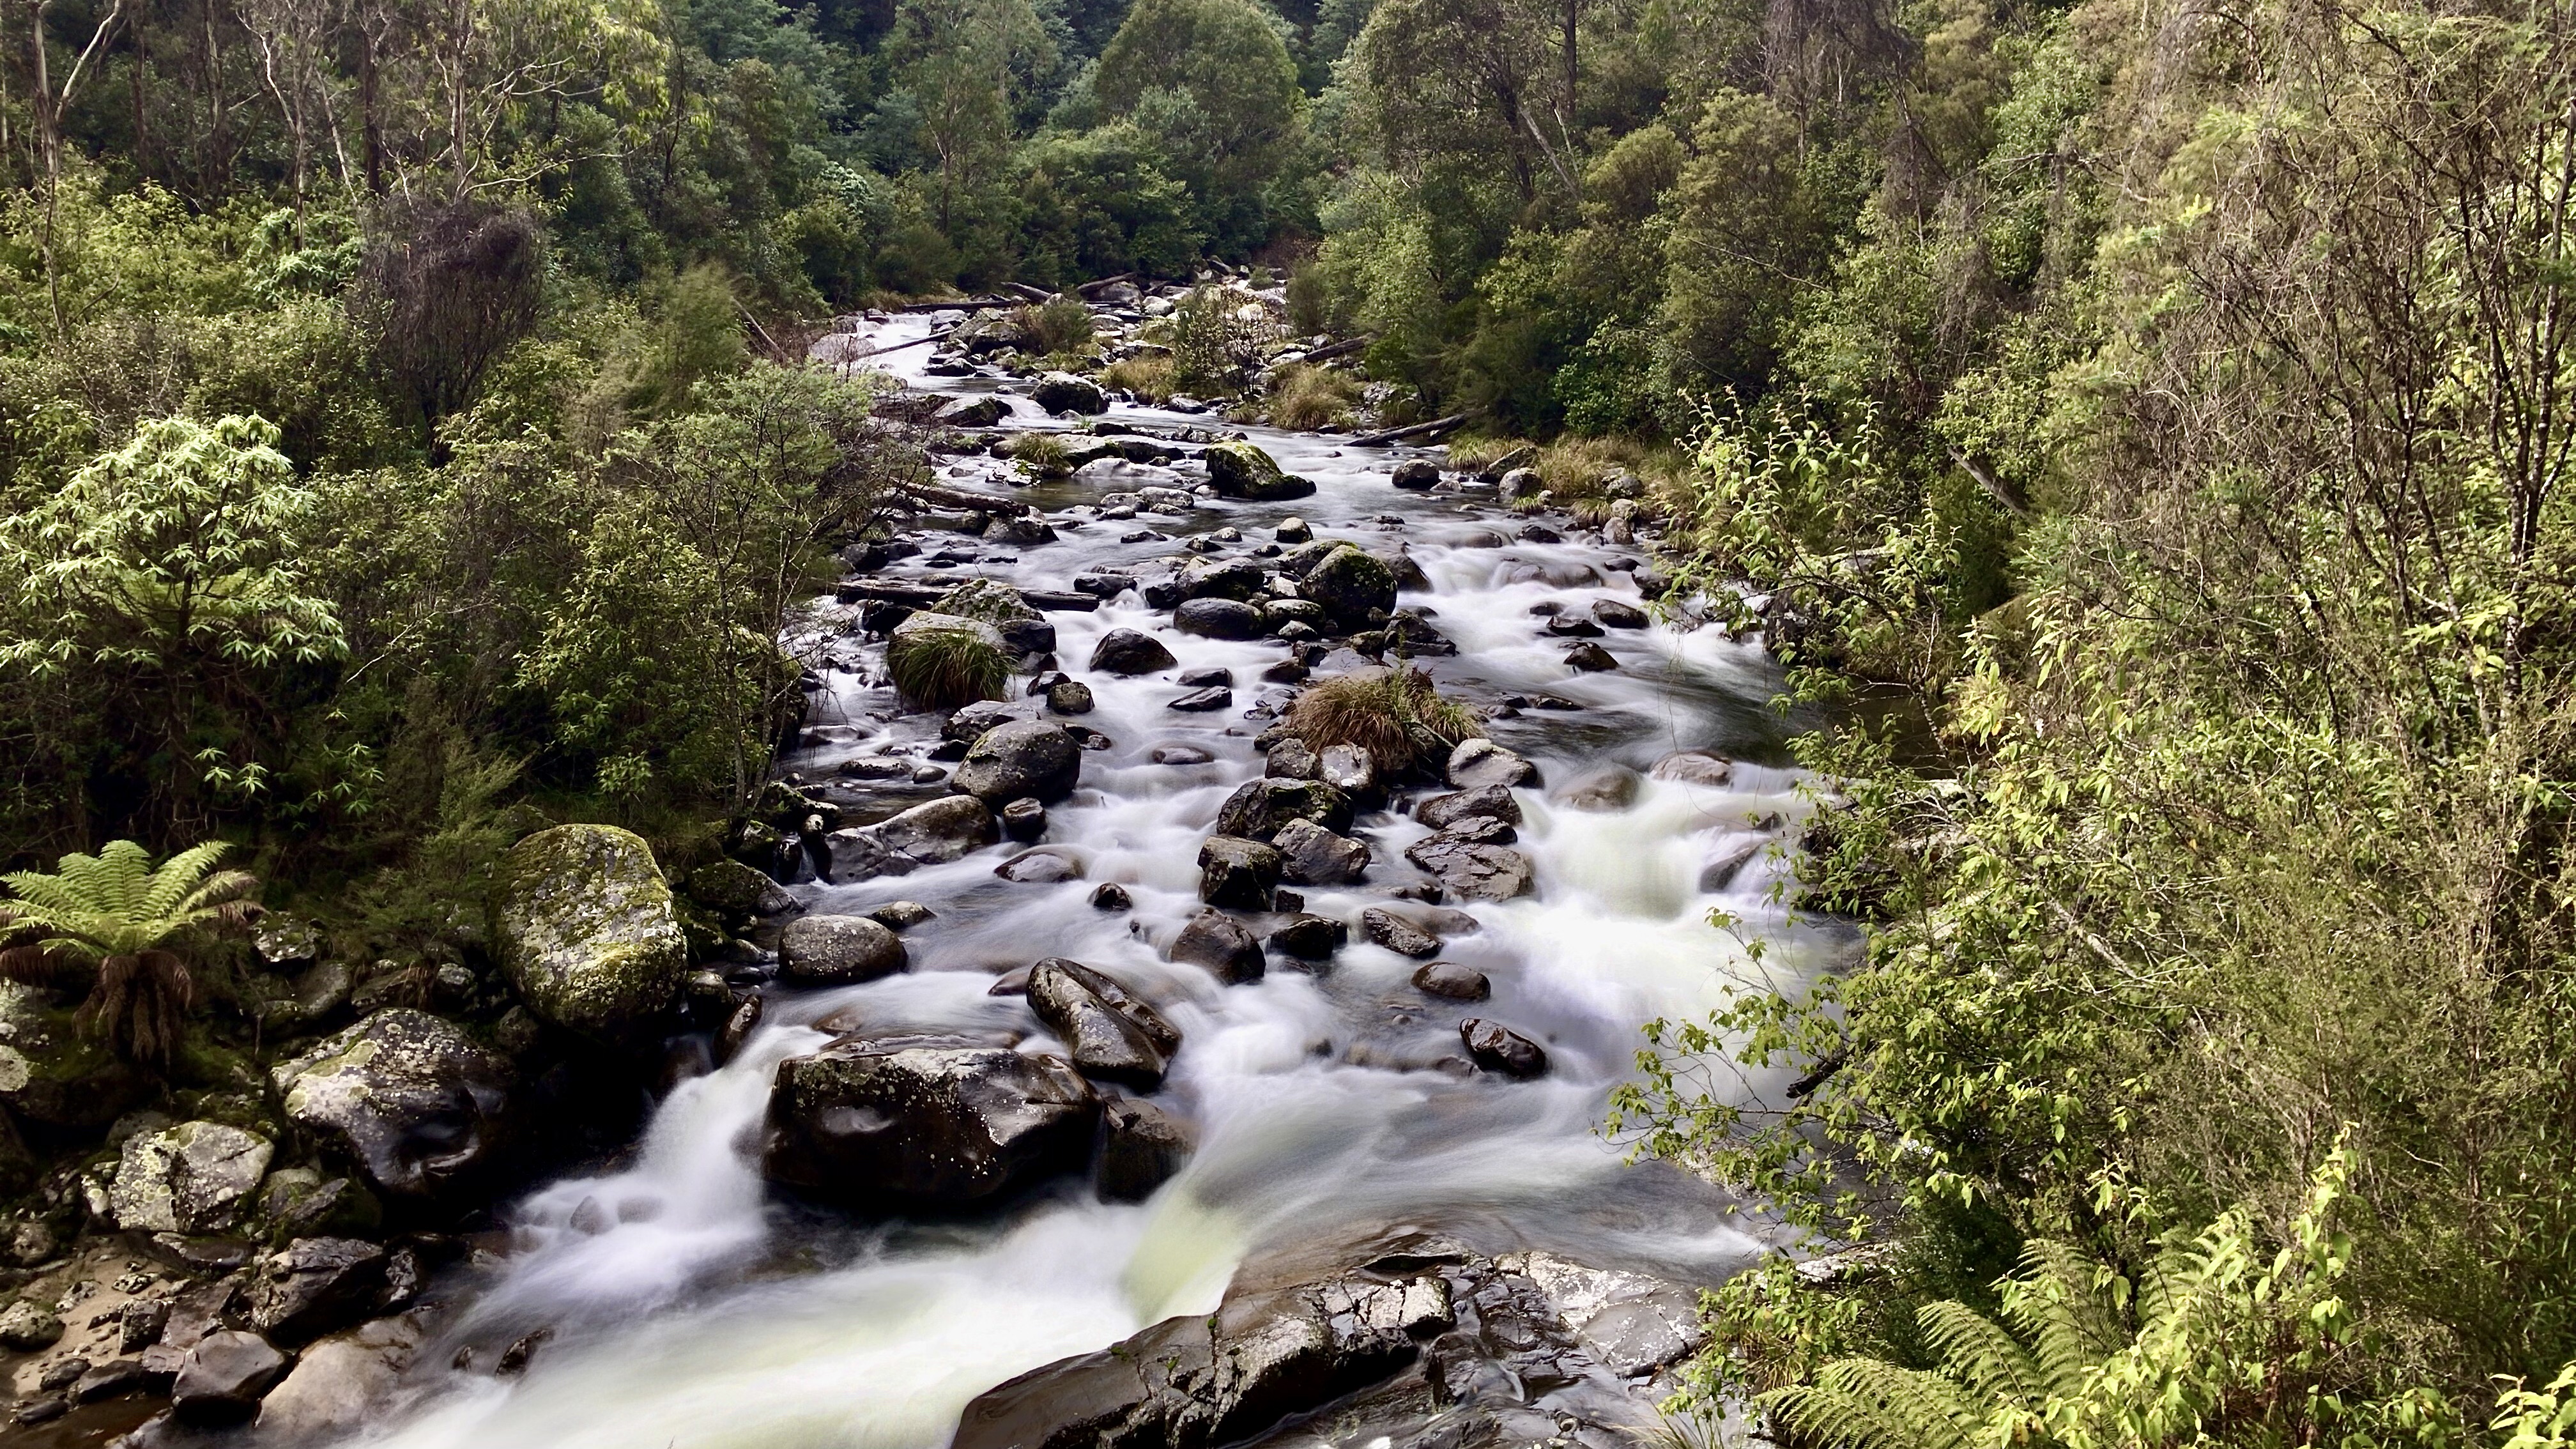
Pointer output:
x,y
1311,397
942,665
105,924
1212,83
1397,715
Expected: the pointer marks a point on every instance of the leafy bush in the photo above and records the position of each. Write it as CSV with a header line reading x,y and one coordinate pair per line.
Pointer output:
x,y
1397,715
1060,324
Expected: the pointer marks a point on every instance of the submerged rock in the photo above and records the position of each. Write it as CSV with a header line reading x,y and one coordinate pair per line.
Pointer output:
x,y
588,933
925,1126
408,1099
929,834
1452,981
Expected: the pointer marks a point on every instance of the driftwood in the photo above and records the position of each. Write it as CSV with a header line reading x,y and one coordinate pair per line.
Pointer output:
x,y
900,346
1343,348
939,495
1413,430
922,596
1104,283
1027,293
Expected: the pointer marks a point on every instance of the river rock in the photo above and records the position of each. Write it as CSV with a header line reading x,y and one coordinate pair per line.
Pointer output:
x,y
1590,658
1617,614
1071,697
1309,937
1351,770
1350,583
1486,802
221,1379
1312,855
1397,934
734,889
1695,767
1499,1049
1417,475
1045,865
1605,791
1478,762
51,1073
1141,1149
1449,980
1236,872
192,1178
411,1101
341,1382
1291,759
933,833
1024,820
1221,944
1113,1034
1027,758
315,1285
1240,579
981,412
1240,470
1062,392
969,723
1125,651
1218,619
1472,871
588,933
837,950
925,1126
1203,1380
1258,808
27,1326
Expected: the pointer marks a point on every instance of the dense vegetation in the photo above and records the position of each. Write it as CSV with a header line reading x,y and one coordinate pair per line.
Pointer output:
x,y
2160,407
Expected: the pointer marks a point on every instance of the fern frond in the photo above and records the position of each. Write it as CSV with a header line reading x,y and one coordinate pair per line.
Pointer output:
x,y
220,889
2062,1313
1979,1353
1863,1403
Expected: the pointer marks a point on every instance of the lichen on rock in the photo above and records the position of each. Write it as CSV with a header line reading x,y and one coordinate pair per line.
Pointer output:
x,y
588,932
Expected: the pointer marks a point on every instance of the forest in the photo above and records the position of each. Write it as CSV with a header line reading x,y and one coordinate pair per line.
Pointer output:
x,y
2135,425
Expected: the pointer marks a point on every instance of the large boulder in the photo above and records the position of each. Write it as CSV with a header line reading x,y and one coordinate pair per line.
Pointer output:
x,y
934,833
1113,1034
1243,874
1027,758
1499,1049
1218,619
1485,802
1258,808
1125,651
1240,470
315,1285
192,1178
1212,1379
925,1126
1141,1149
1223,945
1471,871
341,1382
1350,582
737,890
221,1379
837,950
1062,392
1312,855
408,1099
1240,579
588,933
51,1074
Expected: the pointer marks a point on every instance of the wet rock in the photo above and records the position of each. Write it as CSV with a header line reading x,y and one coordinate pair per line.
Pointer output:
x,y
1209,1379
1489,802
1350,770
1605,791
341,1382
1023,531
1309,937
1111,896
1408,630
1240,579
1024,820
1695,767
117,1378
1293,531
588,933
1480,762
969,723
192,1178
1046,865
1501,1050
1417,475
1397,934
1112,1034
902,915
412,1102
1240,470
838,950
933,833
1062,392
1125,651
737,1029
53,1075
1451,981
1471,871
737,890
1180,755
315,1285
1202,678
1028,758
1616,614
1290,759
981,412
1222,945
1202,701
222,1379
922,1126
1590,658
1312,855
1237,872
1071,697
1728,860
1258,808
1142,1147
1218,619
1350,583
1626,1322
1567,626
29,1327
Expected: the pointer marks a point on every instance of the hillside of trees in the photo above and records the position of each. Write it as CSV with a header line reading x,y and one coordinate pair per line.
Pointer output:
x,y
2145,418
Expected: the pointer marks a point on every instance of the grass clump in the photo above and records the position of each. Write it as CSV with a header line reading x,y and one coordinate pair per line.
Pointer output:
x,y
1041,455
942,661
1394,714
1150,376
1311,397
1058,325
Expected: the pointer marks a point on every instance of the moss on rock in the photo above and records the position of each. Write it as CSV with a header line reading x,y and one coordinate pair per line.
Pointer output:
x,y
589,933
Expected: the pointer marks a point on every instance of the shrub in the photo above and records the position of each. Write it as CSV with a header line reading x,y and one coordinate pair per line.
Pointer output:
x,y
1311,397
1394,714
1060,324
941,661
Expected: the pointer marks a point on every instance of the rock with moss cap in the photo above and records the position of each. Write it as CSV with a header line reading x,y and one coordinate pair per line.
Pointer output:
x,y
1350,582
1240,470
588,932
419,1108
990,600
51,1074
192,1178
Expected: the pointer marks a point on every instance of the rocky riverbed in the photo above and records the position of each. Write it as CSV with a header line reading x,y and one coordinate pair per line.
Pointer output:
x,y
1108,1064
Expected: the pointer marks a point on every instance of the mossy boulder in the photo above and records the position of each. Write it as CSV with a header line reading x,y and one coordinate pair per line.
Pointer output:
x,y
1240,470
50,1074
419,1108
1350,582
589,934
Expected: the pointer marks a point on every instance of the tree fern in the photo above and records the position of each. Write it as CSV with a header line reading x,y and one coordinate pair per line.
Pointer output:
x,y
105,923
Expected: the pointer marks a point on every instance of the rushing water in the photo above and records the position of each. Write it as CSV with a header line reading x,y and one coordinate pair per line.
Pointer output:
x,y
690,1307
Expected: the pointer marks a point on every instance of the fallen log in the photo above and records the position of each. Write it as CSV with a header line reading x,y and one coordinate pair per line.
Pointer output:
x,y
1104,283
1343,348
1027,293
922,596
942,496
1413,430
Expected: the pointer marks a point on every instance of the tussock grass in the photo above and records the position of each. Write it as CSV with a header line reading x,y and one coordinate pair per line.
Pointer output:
x,y
1150,376
947,661
1394,714
1311,397
1060,325
1043,455
1470,453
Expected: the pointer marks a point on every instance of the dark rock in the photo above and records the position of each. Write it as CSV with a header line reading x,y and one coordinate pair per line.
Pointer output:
x,y
416,1105
1112,1034
1024,820
1417,638
1695,767
737,890
1618,615
223,1376
1258,808
968,723
1237,872
1397,934
1481,830
1350,583
1218,619
1419,475
1111,896
1202,701
1312,855
1310,938
738,1027
1125,651
1029,758
902,915
1240,470
933,833
1062,392
1140,1150
1239,579
1499,1049
1450,980
1222,945
837,950
1567,626
1041,683
1482,762
1070,697
1472,871
1289,671
1025,637
116,1378
924,1126
1591,658
1202,678
982,412
1540,533
314,1286
1490,802
1046,865
1290,760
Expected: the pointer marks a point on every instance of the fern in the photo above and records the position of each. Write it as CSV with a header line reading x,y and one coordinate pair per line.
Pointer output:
x,y
107,921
